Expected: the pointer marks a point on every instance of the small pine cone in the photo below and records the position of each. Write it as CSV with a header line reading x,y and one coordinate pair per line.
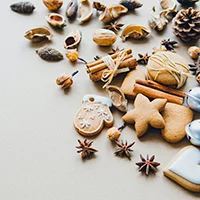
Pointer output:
x,y
186,24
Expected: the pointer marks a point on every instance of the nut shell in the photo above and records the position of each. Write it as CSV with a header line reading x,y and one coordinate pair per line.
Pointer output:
x,y
73,39
104,37
53,5
38,34
56,20
134,32
112,12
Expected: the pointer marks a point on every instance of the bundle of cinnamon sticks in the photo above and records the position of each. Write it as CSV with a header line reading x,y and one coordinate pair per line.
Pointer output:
x,y
154,90
96,68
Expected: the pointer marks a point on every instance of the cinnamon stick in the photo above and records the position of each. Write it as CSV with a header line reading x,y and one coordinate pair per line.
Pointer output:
x,y
154,85
101,66
154,93
131,63
100,61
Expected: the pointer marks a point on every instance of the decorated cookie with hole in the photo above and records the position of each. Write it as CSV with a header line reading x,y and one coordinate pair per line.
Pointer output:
x,y
93,115
185,168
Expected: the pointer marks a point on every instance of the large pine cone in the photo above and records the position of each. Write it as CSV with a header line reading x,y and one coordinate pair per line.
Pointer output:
x,y
186,24
187,2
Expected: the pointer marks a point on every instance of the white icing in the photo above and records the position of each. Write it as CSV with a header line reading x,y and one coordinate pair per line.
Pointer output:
x,y
187,165
92,116
85,124
88,108
97,99
80,116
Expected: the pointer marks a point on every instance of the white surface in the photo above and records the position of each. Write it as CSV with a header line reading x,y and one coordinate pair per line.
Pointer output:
x,y
38,159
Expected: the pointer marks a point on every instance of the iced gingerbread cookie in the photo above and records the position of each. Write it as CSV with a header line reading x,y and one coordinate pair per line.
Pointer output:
x,y
185,168
93,115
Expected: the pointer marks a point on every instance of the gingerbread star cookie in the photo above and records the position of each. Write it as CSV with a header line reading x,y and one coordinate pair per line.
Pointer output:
x,y
146,113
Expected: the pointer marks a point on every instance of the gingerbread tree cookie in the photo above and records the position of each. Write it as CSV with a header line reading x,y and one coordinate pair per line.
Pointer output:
x,y
146,113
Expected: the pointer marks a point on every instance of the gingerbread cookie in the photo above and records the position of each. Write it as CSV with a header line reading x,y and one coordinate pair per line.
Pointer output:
x,y
93,115
129,82
176,117
146,113
185,168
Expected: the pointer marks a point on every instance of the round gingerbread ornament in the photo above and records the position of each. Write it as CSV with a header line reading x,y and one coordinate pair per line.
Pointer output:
x,y
93,115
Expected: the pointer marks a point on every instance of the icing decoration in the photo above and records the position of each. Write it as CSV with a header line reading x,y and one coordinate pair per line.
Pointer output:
x,y
88,108
92,116
97,99
85,124
187,165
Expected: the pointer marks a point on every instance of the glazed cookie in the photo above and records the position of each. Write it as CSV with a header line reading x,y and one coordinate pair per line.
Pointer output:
x,y
129,82
93,115
146,113
176,117
185,168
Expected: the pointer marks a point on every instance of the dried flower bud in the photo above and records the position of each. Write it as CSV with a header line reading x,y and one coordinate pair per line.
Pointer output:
x,y
113,133
193,52
65,80
72,55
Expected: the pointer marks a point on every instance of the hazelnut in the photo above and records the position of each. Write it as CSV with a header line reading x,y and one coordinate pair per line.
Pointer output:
x,y
193,52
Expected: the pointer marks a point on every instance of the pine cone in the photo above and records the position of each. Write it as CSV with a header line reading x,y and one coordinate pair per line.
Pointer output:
x,y
186,24
187,2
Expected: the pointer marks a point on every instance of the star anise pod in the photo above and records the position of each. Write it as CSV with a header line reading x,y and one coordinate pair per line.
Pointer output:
x,y
195,68
169,44
85,148
143,58
124,149
114,26
115,50
148,164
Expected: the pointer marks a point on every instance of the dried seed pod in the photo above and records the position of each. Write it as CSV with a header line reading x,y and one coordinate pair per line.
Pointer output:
x,y
56,20
49,54
158,21
165,4
65,80
23,7
53,5
135,32
72,8
112,12
131,4
104,37
117,97
73,39
72,55
113,134
85,11
99,6
38,34
193,52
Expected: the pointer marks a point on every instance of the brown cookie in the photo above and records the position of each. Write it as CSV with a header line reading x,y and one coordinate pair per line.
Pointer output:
x,y
129,82
176,117
146,113
93,115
